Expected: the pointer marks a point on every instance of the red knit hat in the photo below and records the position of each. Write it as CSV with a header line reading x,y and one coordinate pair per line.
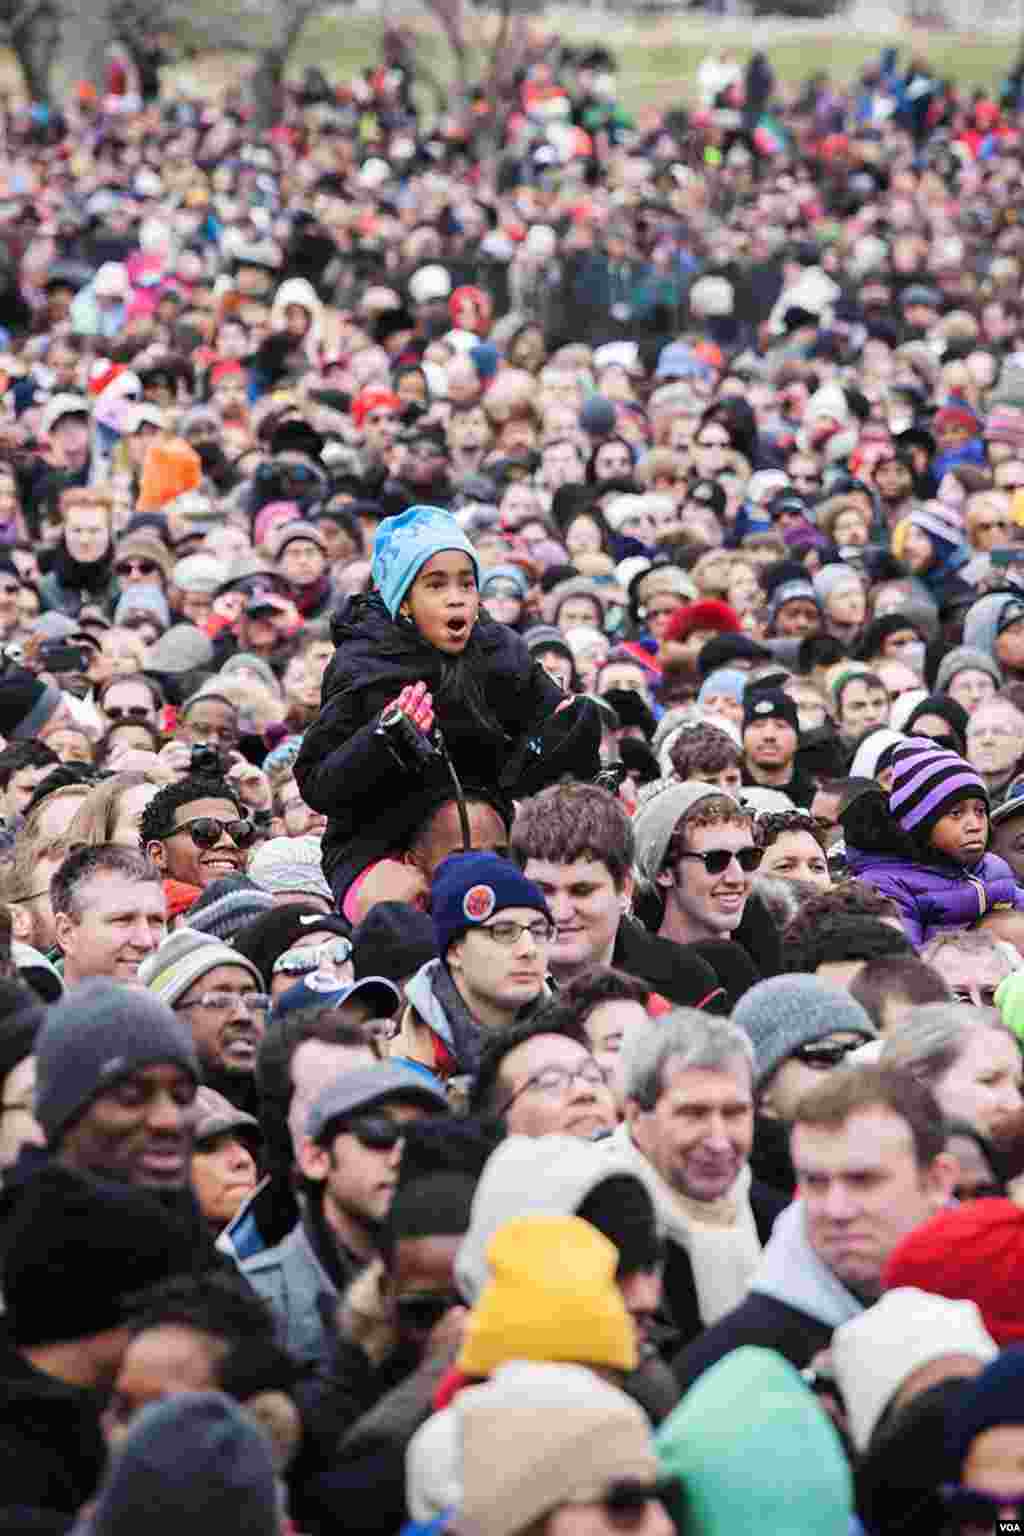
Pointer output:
x,y
955,414
709,613
974,1252
371,399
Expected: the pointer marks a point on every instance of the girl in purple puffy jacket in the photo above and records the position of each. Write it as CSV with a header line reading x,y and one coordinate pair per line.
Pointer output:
x,y
925,843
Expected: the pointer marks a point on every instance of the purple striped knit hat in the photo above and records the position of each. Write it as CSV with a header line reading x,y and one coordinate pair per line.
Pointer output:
x,y
927,782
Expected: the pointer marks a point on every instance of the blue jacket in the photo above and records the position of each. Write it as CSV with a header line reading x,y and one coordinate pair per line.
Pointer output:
x,y
933,897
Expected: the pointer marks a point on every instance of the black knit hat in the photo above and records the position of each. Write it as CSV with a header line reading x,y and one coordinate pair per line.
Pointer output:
x,y
769,704
393,940
77,1248
266,939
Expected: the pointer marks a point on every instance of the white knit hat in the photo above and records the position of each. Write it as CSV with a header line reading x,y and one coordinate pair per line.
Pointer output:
x,y
290,866
874,1353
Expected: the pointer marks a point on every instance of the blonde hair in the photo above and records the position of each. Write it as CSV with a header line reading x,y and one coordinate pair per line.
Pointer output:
x,y
96,818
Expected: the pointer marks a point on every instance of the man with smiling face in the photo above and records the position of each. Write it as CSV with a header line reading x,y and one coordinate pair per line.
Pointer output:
x,y
219,995
689,1130
771,735
695,845
541,1079
116,1079
110,912
196,831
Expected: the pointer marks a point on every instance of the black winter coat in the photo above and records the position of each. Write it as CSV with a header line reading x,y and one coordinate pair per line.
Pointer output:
x,y
52,1451
761,1320
352,773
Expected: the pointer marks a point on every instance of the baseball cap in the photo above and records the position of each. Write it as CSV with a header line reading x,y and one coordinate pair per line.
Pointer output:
x,y
358,1091
322,987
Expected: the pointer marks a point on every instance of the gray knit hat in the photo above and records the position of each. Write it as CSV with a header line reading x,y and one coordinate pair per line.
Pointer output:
x,y
249,662
186,956
661,809
966,658
192,1462
97,1034
785,1012
227,905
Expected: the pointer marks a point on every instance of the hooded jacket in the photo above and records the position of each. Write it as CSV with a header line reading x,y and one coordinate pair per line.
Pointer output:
x,y
795,1304
296,290
551,1175
749,1449
437,1030
933,897
350,770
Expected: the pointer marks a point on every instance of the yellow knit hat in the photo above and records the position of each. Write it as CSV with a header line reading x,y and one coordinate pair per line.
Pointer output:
x,y
898,537
552,1296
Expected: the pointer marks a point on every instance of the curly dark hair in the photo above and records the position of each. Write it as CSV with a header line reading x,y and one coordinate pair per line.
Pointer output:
x,y
702,750
576,1001
771,825
483,1096
157,821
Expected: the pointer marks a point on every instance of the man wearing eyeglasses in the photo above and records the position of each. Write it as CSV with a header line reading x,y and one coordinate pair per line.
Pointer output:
x,y
349,1159
195,831
219,994
494,933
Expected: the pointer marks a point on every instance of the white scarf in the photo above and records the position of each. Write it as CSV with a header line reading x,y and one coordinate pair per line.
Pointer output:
x,y
719,1236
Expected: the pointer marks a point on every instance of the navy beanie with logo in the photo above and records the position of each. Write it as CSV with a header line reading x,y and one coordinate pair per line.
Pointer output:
x,y
469,888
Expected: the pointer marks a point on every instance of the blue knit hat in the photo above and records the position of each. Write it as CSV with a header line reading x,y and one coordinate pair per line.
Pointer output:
x,y
468,889
405,543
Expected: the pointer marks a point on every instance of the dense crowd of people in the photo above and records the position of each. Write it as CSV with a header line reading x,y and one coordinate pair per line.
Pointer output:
x,y
512,793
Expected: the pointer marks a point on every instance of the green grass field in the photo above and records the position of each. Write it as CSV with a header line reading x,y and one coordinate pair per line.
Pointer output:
x,y
658,57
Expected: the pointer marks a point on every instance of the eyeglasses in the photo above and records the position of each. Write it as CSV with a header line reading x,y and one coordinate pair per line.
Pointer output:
x,y
625,1501
207,831
552,1082
509,934
717,860
973,1509
298,962
421,1312
128,712
823,1057
136,568
230,1002
502,589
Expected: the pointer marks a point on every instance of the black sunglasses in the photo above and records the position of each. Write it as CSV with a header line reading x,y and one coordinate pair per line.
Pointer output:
x,y
625,1501
207,831
717,860
420,1313
376,1132
133,566
127,712
824,1057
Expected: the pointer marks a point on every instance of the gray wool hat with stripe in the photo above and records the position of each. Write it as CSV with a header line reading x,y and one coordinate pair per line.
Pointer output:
x,y
184,958
660,811
785,1012
99,1033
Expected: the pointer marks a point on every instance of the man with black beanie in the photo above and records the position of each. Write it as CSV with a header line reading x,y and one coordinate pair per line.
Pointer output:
x,y
771,736
77,1249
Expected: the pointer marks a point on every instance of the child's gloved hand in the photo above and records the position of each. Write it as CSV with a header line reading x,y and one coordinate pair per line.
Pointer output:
x,y
417,704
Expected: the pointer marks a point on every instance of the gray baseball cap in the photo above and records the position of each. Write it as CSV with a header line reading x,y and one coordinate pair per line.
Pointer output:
x,y
363,1089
